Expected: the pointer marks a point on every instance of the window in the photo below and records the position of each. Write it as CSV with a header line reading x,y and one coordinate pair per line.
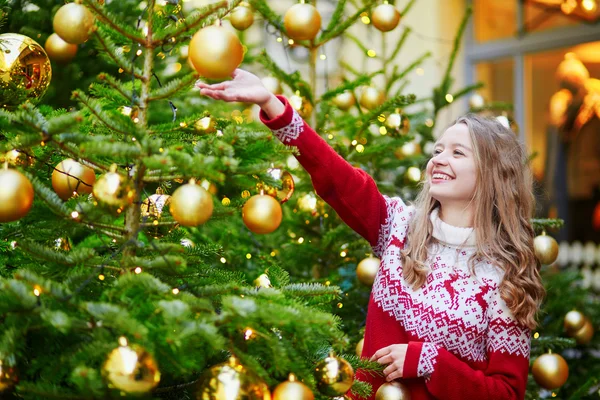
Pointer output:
x,y
494,19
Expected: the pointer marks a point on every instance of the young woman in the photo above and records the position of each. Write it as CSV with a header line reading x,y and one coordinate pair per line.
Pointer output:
x,y
458,287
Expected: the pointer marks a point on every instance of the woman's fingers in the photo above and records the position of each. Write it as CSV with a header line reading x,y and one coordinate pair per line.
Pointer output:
x,y
394,375
389,369
380,353
385,359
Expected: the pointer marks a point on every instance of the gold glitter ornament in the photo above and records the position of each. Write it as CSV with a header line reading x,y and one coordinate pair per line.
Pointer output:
x,y
574,321
215,52
302,22
371,98
205,125
73,22
16,195
17,158
231,381
392,391
385,17
113,189
550,371
409,149
58,50
292,390
366,270
334,376
359,347
242,16
70,177
131,369
345,100
546,248
25,70
191,204
585,334
398,122
262,214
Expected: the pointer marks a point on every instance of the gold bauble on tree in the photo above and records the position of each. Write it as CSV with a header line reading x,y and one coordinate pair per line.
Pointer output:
x,y
584,334
16,195
398,123
231,381
58,50
73,23
359,347
8,377
385,17
272,84
366,270
242,16
392,391
546,248
302,22
25,70
371,98
301,105
476,101
550,371
574,321
408,149
205,125
292,390
215,52
17,159
345,100
113,189
334,376
262,214
131,369
191,204
70,177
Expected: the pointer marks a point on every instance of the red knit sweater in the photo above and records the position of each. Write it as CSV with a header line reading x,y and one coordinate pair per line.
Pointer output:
x,y
463,341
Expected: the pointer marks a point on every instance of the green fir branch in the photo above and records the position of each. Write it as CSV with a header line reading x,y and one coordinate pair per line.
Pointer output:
x,y
106,47
173,87
334,31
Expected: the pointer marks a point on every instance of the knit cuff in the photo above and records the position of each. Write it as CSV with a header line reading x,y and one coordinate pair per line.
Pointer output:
x,y
287,126
411,361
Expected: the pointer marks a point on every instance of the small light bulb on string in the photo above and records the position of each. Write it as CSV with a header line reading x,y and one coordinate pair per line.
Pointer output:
x,y
223,260
249,334
371,53
248,256
138,270
175,291
449,98
101,277
37,290
74,215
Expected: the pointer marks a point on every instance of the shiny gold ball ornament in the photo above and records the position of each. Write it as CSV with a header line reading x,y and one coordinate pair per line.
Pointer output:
x,y
546,248
574,321
585,334
191,204
392,391
25,70
131,369
16,158
262,214
113,189
16,195
408,149
476,101
366,270
345,100
215,52
398,123
231,381
70,178
371,98
385,17
272,84
242,16
263,281
359,347
73,22
302,22
292,390
8,377
550,371
205,125
58,50
301,105
334,376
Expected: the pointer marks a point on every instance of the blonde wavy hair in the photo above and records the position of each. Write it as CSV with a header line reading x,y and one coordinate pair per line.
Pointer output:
x,y
503,204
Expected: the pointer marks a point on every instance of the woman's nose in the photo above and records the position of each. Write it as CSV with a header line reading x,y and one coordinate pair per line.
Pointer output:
x,y
439,159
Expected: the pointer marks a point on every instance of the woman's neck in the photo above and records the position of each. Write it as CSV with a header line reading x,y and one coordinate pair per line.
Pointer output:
x,y
457,215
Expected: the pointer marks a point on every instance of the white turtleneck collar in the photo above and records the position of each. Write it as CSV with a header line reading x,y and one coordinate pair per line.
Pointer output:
x,y
451,235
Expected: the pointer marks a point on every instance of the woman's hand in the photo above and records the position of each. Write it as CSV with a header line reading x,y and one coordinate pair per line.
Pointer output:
x,y
393,355
245,87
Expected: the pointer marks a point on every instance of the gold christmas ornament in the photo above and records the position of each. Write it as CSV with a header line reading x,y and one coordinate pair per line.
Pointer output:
x,y
371,98
191,204
73,22
205,125
359,347
413,175
272,84
585,334
25,70
113,189
476,101
301,105
152,210
574,321
263,281
215,52
292,390
366,270
302,22
70,177
409,149
58,50
398,122
345,100
242,16
16,195
334,376
392,391
385,17
546,248
231,381
131,369
8,377
16,158
262,214
550,371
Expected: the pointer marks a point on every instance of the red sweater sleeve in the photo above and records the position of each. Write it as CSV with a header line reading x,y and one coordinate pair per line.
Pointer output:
x,y
351,192
504,378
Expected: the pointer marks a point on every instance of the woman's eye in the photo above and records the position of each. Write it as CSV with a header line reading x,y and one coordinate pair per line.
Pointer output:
x,y
437,151
460,153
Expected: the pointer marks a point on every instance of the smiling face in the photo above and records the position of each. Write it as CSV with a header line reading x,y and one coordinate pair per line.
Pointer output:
x,y
451,171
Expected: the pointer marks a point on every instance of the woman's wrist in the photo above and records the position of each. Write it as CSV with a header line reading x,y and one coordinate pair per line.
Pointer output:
x,y
273,107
